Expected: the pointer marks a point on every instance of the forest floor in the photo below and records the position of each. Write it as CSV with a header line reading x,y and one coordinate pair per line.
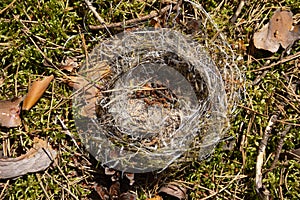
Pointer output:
x,y
37,37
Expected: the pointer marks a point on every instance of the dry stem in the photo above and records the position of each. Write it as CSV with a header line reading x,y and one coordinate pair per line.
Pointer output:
x,y
260,189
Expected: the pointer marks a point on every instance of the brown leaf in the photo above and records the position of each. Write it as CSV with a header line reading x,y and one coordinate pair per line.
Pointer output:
x,y
39,157
10,112
35,92
279,31
173,189
89,92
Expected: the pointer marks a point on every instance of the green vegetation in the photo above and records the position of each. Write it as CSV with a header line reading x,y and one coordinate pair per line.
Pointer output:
x,y
37,36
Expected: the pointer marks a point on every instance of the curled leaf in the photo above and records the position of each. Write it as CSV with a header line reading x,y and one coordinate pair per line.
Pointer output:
x,y
37,159
279,31
35,92
10,113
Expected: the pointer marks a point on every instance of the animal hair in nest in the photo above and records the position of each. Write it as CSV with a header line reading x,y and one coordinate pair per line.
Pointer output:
x,y
164,91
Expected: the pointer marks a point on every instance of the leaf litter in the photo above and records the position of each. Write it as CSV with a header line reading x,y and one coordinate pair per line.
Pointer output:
x,y
278,31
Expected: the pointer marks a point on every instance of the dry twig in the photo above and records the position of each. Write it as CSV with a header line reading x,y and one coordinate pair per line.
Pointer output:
x,y
131,21
238,11
260,189
285,59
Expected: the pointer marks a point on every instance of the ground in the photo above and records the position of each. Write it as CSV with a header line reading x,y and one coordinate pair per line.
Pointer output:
x,y
36,38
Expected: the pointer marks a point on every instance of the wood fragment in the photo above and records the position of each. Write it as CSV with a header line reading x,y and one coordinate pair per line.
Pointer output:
x,y
261,190
7,7
238,11
36,159
131,21
283,60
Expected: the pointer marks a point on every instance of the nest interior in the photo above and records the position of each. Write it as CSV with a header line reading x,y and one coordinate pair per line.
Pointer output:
x,y
163,91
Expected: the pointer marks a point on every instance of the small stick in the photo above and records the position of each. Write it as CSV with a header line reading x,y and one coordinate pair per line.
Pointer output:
x,y
7,7
99,18
67,132
131,21
238,11
285,59
92,8
260,189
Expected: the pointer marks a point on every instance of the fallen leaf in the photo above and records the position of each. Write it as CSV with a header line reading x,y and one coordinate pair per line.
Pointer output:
x,y
39,157
10,113
279,31
35,92
173,189
87,84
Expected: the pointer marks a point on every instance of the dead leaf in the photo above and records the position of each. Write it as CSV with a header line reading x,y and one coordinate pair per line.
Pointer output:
x,y
279,31
89,92
173,189
10,113
80,83
39,157
35,92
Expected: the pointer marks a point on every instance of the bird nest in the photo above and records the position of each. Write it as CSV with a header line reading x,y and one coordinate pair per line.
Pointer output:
x,y
162,92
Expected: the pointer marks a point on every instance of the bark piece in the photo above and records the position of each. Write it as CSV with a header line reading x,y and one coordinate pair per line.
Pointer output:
x,y
10,112
279,31
36,159
35,92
